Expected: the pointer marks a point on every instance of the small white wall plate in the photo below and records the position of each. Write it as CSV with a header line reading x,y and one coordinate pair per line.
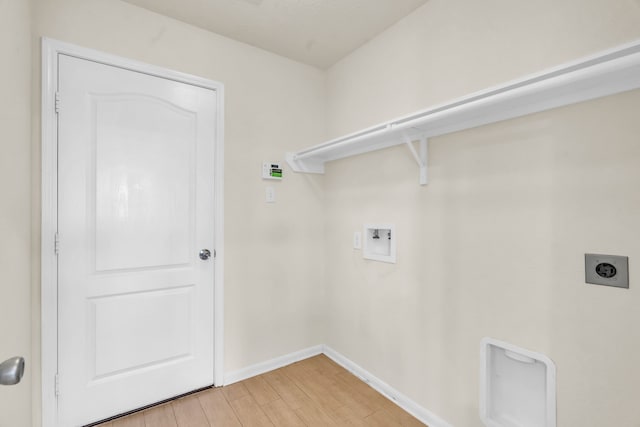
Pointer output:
x,y
357,240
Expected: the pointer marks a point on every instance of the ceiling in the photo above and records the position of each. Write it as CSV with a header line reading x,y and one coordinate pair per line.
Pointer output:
x,y
315,32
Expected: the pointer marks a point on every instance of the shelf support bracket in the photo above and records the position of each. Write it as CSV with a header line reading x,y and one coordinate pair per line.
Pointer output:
x,y
421,158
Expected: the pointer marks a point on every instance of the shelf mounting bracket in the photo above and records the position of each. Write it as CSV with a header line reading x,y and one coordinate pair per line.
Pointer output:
x,y
421,158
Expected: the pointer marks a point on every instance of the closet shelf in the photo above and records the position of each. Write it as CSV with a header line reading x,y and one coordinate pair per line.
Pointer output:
x,y
613,71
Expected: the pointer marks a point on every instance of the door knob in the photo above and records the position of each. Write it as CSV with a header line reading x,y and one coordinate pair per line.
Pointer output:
x,y
11,371
205,254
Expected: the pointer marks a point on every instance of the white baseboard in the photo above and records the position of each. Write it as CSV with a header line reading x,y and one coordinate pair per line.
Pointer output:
x,y
422,414
270,365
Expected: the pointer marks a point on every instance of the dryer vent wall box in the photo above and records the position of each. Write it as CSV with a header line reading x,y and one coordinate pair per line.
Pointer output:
x,y
379,242
517,386
272,170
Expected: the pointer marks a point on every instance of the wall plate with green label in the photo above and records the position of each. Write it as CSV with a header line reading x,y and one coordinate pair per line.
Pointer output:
x,y
272,170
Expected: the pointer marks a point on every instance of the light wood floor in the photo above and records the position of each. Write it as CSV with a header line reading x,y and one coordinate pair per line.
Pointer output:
x,y
313,392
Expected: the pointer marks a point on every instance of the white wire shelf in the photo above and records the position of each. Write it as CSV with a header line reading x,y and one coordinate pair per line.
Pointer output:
x,y
607,73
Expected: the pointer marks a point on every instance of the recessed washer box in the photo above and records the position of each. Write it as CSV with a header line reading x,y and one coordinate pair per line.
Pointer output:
x,y
607,270
379,242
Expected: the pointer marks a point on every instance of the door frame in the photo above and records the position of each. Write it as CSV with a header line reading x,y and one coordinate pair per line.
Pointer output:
x,y
51,49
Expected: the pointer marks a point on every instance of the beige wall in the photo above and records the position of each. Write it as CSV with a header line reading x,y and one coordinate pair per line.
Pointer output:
x,y
518,197
494,245
273,265
15,208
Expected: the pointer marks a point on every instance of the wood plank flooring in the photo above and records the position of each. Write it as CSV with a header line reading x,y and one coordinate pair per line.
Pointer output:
x,y
313,392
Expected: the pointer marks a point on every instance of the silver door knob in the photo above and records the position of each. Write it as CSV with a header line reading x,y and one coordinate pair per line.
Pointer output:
x,y
11,371
205,254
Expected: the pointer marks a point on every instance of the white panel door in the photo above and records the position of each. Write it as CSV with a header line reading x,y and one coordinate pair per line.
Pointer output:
x,y
135,208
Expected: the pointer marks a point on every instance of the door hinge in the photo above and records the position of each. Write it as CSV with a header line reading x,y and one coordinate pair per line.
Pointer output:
x,y
57,102
56,380
56,243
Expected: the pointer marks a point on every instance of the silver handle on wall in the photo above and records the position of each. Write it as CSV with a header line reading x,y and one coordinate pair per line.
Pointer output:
x,y
11,371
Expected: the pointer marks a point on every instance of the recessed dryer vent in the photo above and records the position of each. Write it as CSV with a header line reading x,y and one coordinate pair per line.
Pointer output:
x,y
517,386
380,242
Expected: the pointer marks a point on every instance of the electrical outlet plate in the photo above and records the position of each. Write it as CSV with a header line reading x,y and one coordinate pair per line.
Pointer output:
x,y
357,240
607,270
270,194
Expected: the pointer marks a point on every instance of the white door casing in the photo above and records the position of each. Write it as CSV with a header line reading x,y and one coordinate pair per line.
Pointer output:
x,y
136,201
